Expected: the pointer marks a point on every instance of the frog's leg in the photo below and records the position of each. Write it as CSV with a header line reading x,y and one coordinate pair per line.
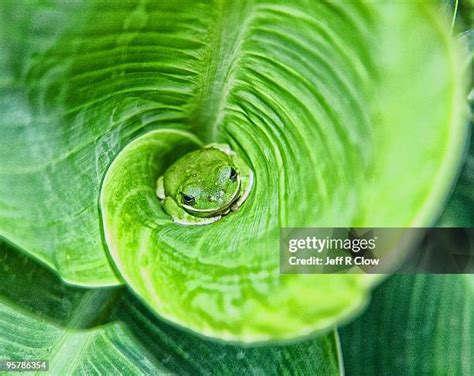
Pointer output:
x,y
246,181
222,147
160,188
181,216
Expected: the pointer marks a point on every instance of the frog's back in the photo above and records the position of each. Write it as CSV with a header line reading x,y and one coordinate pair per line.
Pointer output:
x,y
194,165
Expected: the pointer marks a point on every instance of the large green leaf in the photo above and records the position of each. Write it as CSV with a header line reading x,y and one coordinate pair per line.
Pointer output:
x,y
219,286
107,331
420,324
416,325
222,280
326,101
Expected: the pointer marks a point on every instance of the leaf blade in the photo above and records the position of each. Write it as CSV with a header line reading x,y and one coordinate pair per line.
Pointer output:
x,y
99,331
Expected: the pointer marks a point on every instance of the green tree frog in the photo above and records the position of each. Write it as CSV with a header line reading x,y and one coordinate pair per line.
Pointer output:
x,y
204,185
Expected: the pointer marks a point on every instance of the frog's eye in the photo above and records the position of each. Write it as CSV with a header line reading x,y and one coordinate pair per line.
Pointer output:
x,y
188,200
233,174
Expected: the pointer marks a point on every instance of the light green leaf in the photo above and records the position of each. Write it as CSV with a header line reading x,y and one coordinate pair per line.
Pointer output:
x,y
197,277
326,101
107,331
336,148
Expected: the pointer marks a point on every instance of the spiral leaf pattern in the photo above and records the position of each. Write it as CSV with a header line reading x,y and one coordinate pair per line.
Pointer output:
x,y
326,102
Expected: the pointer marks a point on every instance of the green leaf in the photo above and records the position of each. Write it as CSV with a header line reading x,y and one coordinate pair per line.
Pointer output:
x,y
196,276
222,280
415,325
419,324
326,101
460,209
107,331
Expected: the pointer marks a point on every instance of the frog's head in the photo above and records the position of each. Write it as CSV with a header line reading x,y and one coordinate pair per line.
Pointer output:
x,y
211,187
